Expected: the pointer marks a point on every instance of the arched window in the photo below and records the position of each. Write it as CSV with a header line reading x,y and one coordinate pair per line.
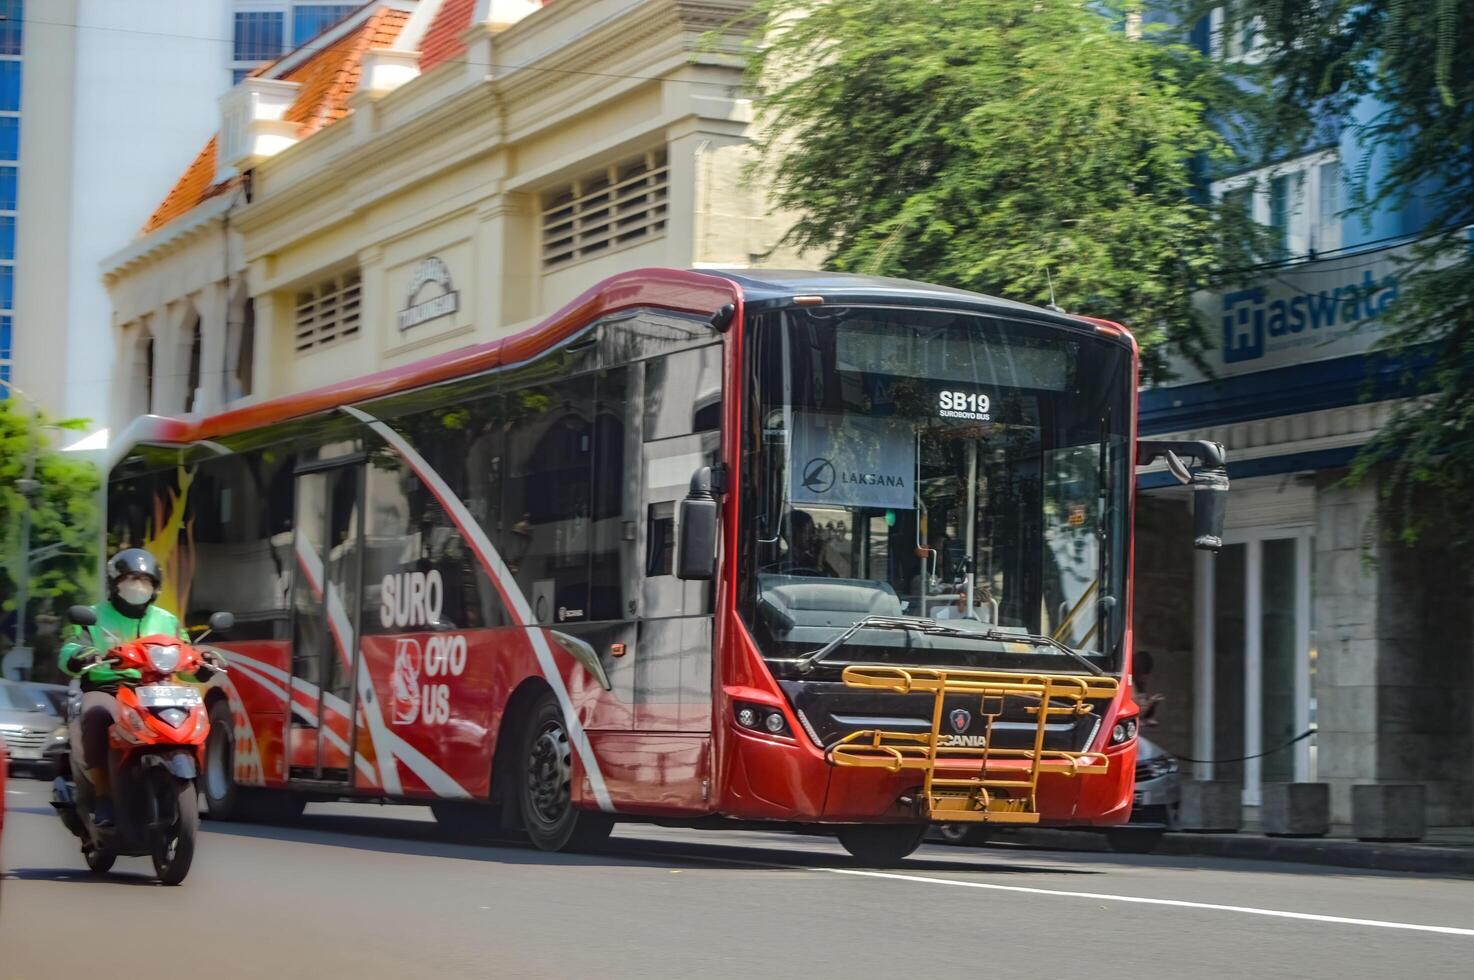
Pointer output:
x,y
192,381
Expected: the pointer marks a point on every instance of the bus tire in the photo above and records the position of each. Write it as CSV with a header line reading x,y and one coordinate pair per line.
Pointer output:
x,y
881,845
963,834
544,777
225,798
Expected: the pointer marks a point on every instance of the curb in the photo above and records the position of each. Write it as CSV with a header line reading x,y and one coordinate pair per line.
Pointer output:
x,y
1416,858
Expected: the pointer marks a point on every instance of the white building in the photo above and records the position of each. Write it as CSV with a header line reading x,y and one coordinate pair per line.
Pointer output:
x,y
112,95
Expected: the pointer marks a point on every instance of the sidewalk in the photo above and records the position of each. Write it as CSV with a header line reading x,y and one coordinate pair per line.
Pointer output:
x,y
1444,850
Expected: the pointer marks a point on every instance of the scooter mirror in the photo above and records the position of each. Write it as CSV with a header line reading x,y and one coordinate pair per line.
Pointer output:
x,y
82,616
221,622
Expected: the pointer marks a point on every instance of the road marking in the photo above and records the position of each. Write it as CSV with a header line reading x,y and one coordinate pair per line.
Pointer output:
x,y
1135,900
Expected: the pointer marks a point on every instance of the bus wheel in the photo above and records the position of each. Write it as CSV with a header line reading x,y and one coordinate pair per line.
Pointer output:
x,y
881,845
975,834
545,787
221,792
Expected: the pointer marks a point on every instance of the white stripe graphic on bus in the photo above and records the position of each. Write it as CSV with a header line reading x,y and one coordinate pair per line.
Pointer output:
x,y
397,750
342,629
517,603
302,712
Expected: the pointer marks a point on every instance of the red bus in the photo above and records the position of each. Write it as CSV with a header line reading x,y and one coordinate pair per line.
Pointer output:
x,y
761,546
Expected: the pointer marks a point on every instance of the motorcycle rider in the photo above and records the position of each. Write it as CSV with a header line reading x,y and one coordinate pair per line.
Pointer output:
x,y
128,614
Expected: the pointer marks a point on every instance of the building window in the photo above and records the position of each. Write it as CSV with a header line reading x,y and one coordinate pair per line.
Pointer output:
x,y
259,34
10,86
328,312
620,205
9,137
1287,214
7,236
1236,32
7,188
5,339
1299,200
7,286
1327,226
310,20
12,18
192,379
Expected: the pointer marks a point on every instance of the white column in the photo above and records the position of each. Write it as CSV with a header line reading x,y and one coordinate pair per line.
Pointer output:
x,y
1203,659
1303,546
1253,670
212,306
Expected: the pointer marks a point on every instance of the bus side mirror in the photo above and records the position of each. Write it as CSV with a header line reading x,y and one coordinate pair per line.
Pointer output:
x,y
696,534
1209,483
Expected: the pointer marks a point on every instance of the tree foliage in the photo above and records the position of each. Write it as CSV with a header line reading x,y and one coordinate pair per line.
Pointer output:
x,y
1409,60
63,512
995,145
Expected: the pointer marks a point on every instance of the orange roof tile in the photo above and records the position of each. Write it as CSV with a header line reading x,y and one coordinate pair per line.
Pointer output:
x,y
193,189
442,40
326,81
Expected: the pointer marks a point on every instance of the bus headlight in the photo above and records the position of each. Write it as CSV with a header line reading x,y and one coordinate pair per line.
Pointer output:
x,y
761,718
1124,731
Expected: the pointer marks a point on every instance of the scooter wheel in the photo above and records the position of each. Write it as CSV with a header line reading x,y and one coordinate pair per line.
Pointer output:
x,y
99,860
179,810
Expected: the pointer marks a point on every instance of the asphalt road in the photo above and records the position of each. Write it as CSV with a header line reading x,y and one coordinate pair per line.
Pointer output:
x,y
367,891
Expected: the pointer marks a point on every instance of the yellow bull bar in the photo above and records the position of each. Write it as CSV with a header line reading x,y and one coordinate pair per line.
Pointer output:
x,y
970,784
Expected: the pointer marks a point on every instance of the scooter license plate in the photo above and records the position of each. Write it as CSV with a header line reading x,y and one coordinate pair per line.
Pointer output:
x,y
167,696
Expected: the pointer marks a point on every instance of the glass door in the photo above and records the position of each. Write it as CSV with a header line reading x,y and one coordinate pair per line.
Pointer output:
x,y
325,595
1254,657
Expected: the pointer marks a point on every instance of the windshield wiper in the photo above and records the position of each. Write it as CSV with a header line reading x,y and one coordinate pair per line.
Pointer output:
x,y
809,661
931,627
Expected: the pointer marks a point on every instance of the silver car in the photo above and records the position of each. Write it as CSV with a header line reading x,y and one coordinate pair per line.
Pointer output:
x,y
34,731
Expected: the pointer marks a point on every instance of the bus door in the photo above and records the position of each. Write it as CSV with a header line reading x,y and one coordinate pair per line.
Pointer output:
x,y
325,601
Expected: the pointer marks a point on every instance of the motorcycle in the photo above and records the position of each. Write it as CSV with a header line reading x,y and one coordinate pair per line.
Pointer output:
x,y
155,754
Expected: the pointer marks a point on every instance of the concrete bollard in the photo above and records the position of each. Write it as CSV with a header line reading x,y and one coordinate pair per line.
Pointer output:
x,y
1211,807
1296,809
1388,811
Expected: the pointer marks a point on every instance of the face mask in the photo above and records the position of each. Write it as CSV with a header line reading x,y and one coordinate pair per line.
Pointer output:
x,y
136,593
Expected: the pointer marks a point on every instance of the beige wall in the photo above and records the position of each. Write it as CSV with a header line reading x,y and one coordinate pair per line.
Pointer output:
x,y
455,164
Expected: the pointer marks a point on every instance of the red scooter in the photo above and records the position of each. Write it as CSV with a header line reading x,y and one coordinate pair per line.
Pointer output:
x,y
156,750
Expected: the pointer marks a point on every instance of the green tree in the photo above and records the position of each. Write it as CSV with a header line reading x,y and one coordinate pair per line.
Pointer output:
x,y
63,516
995,145
1336,58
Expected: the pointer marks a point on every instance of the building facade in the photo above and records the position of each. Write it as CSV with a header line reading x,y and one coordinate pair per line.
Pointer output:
x,y
81,164
424,176
88,159
1313,618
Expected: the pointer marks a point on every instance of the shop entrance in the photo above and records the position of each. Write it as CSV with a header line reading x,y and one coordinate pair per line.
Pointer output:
x,y
1255,658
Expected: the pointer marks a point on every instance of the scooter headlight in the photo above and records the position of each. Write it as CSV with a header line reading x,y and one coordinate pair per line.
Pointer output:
x,y
163,658
174,717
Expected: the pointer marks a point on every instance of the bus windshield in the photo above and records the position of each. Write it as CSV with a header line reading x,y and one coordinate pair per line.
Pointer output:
x,y
923,465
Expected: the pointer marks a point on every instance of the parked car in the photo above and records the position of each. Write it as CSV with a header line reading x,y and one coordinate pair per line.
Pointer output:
x,y
34,732
1153,808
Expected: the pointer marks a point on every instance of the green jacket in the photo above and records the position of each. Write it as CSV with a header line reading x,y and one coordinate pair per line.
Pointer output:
x,y
155,622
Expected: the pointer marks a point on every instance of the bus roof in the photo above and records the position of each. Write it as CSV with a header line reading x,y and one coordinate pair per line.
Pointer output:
x,y
701,292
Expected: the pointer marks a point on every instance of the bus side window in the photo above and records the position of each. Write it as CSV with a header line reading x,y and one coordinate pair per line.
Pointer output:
x,y
680,432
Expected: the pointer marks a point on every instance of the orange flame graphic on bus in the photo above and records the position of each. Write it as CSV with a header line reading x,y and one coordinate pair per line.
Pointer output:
x,y
171,540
